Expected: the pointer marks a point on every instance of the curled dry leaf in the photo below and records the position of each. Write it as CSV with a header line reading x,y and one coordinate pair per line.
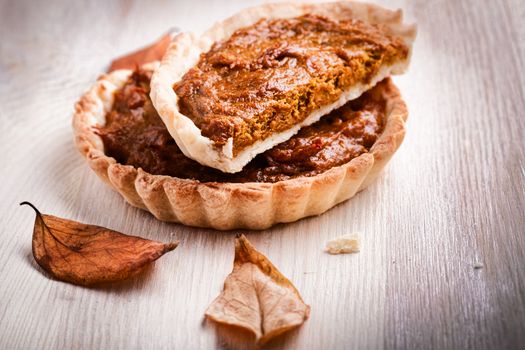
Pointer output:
x,y
153,52
87,254
257,297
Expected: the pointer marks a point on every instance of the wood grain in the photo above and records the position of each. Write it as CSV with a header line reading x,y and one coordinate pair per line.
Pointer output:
x,y
453,197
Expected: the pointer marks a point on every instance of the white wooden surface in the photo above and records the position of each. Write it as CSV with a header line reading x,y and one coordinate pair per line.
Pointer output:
x,y
453,196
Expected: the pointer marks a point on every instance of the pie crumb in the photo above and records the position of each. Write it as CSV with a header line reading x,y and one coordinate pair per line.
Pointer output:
x,y
344,244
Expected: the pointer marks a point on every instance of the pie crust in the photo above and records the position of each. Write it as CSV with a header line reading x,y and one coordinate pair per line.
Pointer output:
x,y
184,52
227,206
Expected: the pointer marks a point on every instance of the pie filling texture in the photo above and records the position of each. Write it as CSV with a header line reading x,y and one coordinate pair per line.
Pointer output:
x,y
135,135
272,75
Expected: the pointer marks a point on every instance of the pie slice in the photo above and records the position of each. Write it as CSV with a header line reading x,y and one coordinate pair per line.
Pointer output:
x,y
125,142
253,80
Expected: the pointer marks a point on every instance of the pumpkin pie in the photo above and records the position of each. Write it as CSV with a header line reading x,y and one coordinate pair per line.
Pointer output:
x,y
126,142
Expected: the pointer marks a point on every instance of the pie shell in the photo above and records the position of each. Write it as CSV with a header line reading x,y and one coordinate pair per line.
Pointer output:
x,y
227,206
184,52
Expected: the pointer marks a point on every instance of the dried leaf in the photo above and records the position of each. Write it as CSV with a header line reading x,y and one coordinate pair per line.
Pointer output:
x,y
153,52
87,254
257,297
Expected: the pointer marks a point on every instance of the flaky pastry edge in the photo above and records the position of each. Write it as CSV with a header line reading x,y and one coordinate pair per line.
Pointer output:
x,y
184,51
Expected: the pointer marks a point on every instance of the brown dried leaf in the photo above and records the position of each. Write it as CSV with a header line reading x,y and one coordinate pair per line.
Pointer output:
x,y
88,255
257,297
153,52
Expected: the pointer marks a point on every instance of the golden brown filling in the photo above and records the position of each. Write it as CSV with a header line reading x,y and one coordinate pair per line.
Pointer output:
x,y
270,76
135,135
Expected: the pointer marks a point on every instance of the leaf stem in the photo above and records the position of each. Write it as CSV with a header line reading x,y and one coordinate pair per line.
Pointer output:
x,y
39,214
34,208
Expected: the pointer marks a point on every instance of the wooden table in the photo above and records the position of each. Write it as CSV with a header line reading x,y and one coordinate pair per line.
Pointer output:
x,y
443,257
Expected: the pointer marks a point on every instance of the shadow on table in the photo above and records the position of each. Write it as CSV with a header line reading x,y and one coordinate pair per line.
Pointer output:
x,y
232,337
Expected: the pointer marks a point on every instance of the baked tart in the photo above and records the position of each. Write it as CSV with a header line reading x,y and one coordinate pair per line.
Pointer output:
x,y
125,142
253,80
